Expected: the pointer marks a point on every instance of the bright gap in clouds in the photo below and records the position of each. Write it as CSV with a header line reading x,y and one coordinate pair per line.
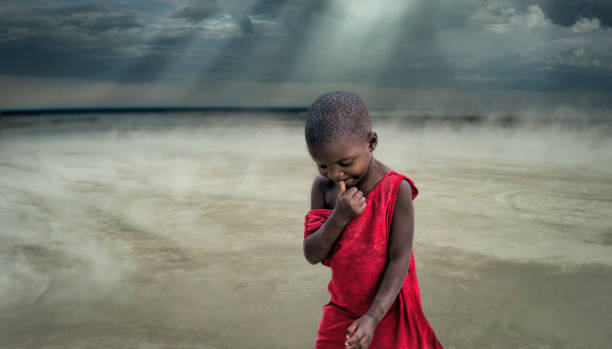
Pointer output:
x,y
354,39
373,11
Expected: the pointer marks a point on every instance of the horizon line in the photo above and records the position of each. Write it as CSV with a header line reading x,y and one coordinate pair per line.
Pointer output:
x,y
143,109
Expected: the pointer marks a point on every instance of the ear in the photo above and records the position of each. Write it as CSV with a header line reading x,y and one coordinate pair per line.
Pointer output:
x,y
372,141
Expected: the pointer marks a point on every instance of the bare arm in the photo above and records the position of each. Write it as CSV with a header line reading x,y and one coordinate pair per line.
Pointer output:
x,y
361,331
349,204
400,248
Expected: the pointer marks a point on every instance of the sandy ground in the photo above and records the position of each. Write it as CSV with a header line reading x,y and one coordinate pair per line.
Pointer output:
x,y
176,231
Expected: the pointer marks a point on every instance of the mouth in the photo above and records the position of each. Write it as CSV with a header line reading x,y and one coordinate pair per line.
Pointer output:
x,y
346,181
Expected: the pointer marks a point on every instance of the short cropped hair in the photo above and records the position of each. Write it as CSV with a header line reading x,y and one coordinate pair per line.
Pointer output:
x,y
334,115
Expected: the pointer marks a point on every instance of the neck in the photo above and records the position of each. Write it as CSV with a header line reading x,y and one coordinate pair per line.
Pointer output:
x,y
372,176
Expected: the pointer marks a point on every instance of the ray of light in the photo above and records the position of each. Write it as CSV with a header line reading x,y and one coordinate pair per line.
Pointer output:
x,y
269,59
348,45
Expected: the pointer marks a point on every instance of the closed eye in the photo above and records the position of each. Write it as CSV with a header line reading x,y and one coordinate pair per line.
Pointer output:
x,y
345,164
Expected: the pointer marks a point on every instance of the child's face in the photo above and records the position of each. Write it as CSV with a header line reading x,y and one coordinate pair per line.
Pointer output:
x,y
346,159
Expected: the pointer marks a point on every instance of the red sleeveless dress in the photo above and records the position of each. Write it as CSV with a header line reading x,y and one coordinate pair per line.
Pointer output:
x,y
358,260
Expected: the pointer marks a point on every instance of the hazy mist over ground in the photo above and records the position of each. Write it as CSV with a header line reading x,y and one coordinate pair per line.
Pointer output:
x,y
185,230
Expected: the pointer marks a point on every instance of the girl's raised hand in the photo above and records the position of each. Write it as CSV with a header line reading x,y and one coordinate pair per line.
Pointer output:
x,y
349,203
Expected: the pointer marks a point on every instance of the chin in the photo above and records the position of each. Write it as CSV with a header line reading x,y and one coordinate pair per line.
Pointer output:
x,y
352,183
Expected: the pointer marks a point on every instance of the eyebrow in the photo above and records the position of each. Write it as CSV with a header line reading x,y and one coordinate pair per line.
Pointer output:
x,y
348,158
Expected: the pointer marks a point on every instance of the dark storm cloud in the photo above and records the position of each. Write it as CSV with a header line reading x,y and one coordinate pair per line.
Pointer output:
x,y
38,36
245,24
414,58
104,41
91,41
292,40
288,13
100,24
49,20
257,56
568,12
525,77
199,10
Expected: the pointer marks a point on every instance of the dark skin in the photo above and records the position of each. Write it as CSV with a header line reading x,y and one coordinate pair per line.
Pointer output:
x,y
348,172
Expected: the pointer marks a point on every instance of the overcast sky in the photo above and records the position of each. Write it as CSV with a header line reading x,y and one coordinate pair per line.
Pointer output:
x,y
434,55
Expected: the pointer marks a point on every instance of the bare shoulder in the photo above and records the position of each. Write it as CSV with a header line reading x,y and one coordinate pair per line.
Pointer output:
x,y
403,202
405,189
402,224
317,193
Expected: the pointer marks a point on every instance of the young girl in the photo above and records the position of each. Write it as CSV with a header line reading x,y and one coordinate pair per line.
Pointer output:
x,y
361,225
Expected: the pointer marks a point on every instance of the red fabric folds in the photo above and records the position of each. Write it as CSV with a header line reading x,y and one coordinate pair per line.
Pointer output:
x,y
358,261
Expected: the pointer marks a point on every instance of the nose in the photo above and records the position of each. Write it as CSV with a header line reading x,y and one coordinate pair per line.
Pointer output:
x,y
335,174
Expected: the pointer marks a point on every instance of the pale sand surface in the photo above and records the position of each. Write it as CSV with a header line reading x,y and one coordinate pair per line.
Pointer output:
x,y
178,231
